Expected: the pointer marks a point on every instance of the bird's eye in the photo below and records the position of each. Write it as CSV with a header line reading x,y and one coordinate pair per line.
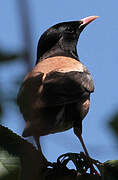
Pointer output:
x,y
69,29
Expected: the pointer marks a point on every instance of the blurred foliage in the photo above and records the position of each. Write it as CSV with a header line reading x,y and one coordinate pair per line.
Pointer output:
x,y
9,166
114,124
0,110
7,56
110,170
9,161
18,158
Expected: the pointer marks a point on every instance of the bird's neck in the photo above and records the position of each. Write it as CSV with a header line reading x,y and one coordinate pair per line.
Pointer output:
x,y
57,51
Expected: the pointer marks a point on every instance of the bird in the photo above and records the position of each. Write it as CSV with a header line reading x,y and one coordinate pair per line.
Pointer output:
x,y
55,95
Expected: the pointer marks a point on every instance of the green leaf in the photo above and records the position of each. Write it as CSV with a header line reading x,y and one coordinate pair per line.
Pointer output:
x,y
110,170
14,149
10,141
9,166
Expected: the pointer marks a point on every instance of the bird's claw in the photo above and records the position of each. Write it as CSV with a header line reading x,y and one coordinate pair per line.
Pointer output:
x,y
90,163
81,162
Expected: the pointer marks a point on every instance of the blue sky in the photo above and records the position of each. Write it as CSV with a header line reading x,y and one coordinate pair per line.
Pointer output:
x,y
97,49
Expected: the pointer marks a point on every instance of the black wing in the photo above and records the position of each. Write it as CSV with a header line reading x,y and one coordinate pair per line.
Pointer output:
x,y
63,88
28,92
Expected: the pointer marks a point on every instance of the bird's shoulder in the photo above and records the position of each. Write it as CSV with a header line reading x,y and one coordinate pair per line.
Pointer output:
x,y
62,68
60,64
63,78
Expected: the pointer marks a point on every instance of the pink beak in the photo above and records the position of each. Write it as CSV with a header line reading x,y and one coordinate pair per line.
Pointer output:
x,y
88,20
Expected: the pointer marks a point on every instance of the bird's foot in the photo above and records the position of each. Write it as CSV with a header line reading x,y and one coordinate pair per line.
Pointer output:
x,y
82,163
90,163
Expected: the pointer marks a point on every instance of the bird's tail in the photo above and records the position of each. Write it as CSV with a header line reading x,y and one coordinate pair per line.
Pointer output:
x,y
28,132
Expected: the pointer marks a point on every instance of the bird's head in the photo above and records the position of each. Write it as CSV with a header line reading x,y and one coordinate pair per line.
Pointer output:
x,y
61,39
